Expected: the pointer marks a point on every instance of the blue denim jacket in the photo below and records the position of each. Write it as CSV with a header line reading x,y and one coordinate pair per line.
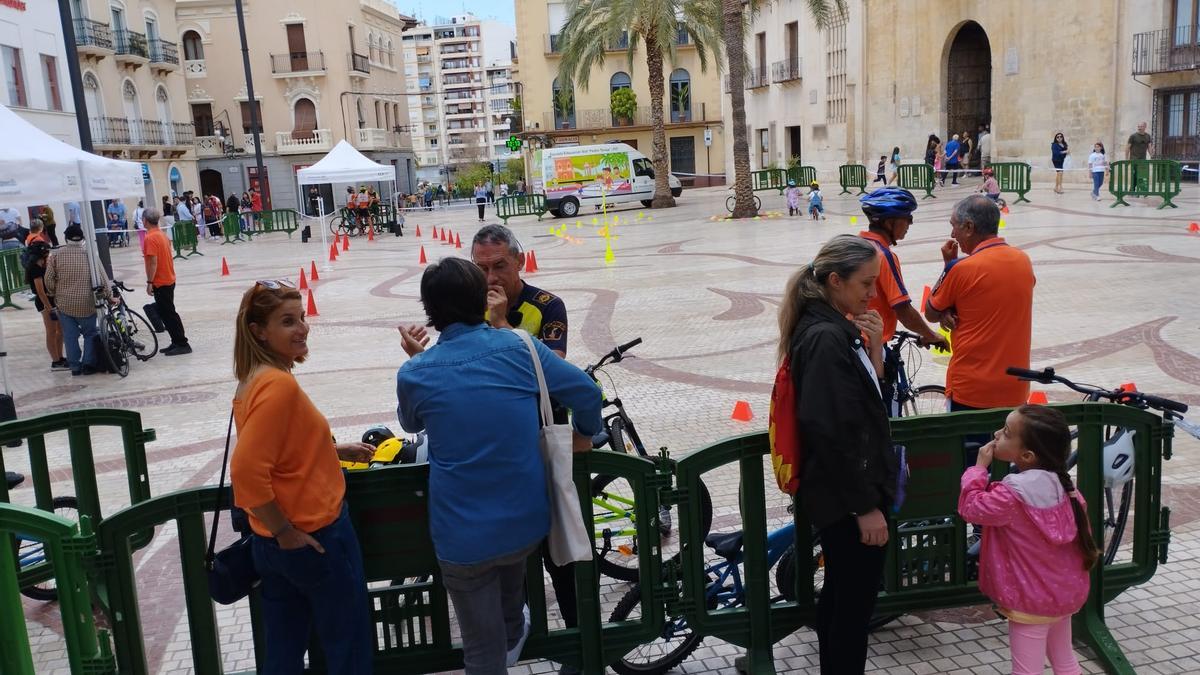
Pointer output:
x,y
476,395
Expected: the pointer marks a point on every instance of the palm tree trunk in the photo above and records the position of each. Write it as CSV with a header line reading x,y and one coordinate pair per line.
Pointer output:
x,y
735,49
662,186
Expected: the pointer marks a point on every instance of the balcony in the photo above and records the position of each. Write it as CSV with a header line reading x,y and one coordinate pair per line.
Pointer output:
x,y
164,56
757,77
1169,50
787,70
360,65
303,142
553,44
602,119
374,139
140,137
92,38
620,44
222,146
131,48
297,64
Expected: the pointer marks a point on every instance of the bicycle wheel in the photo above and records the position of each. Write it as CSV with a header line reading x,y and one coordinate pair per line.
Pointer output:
x,y
33,552
336,224
615,516
929,399
1118,516
675,642
143,340
730,203
112,345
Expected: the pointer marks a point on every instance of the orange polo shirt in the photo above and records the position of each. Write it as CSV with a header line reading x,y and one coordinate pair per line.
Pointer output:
x,y
157,245
991,291
890,291
285,453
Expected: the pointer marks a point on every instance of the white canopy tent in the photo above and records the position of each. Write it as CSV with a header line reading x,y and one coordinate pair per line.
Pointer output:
x,y
343,164
36,168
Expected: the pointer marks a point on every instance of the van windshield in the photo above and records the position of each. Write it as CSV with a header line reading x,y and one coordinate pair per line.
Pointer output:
x,y
643,167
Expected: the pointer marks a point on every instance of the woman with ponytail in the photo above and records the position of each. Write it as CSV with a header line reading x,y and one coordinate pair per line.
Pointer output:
x,y
1037,544
848,476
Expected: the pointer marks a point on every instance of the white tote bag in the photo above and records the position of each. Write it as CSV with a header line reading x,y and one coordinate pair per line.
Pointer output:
x,y
569,539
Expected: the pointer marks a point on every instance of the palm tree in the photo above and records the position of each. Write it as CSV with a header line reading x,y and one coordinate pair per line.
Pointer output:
x,y
593,26
733,25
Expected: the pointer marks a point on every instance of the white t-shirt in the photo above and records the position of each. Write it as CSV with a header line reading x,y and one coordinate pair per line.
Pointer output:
x,y
870,368
1098,162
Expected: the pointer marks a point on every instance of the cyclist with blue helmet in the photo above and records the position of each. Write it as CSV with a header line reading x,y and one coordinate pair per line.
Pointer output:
x,y
889,214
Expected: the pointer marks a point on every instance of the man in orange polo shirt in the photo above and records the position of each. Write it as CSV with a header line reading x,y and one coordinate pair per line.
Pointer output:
x,y
986,297
160,281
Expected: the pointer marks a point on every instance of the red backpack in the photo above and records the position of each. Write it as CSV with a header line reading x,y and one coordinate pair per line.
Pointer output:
x,y
787,452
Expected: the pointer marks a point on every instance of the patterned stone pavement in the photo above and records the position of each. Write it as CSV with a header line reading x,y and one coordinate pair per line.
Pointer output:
x,y
1115,302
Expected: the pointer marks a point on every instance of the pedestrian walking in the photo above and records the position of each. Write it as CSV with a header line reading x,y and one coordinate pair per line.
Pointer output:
x,y
880,176
1139,146
138,224
952,163
69,280
895,165
1059,152
481,199
985,146
1098,165
939,161
966,151
160,282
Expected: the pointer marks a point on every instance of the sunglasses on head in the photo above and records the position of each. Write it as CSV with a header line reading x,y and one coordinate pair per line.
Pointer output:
x,y
275,284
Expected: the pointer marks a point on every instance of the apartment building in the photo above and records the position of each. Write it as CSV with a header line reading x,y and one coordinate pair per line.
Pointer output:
x,y
458,77
323,72
33,55
133,88
695,130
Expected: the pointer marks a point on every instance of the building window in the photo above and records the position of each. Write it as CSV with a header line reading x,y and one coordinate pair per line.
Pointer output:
x,y
681,96
835,72
619,80
14,76
202,119
563,102
50,77
133,111
91,96
245,107
764,148
683,154
304,116
193,48
1187,23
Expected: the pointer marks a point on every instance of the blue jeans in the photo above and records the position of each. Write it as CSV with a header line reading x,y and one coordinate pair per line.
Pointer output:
x,y
303,590
73,327
1097,181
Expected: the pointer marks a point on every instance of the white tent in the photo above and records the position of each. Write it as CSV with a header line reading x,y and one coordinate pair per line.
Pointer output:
x,y
36,168
343,164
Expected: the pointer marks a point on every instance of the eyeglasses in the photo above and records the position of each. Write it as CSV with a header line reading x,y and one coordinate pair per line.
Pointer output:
x,y
275,284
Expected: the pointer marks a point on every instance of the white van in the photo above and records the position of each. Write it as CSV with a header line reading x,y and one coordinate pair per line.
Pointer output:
x,y
594,175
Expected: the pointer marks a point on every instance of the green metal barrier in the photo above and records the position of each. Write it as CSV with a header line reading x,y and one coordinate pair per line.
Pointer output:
x,y
275,220
12,276
1145,178
926,564
769,179
1013,177
521,205
231,229
88,651
916,177
185,238
385,216
803,175
852,176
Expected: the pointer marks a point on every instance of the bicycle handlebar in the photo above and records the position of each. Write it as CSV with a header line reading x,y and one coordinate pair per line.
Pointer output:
x,y
628,345
1131,398
615,356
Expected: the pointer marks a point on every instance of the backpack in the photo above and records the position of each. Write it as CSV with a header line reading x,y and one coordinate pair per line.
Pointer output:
x,y
787,452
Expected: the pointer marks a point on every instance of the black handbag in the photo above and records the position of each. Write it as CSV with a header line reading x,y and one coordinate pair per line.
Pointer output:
x,y
231,572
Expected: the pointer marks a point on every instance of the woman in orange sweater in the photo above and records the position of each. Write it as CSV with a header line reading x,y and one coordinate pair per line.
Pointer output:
x,y
285,474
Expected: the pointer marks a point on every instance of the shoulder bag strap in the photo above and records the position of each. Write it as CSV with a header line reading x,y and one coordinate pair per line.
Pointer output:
x,y
212,538
543,395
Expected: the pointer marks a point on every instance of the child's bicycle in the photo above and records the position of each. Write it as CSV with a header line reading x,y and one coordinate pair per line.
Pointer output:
x,y
32,554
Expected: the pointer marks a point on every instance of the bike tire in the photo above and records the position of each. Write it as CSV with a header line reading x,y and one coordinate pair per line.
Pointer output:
x,y
730,203
674,656
47,591
335,224
1112,540
929,399
112,346
608,563
141,332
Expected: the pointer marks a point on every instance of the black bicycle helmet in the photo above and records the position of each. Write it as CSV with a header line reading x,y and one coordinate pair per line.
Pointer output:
x,y
376,435
888,202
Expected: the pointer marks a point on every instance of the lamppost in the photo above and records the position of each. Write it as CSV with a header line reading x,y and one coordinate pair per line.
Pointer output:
x,y
264,186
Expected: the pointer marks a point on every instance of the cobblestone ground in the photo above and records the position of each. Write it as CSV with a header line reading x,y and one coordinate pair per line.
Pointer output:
x,y
1115,302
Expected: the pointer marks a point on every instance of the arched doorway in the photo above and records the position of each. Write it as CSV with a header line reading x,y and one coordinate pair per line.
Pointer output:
x,y
212,184
969,80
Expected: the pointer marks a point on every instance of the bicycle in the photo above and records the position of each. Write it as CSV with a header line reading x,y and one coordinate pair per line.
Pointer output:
x,y
31,553
123,332
1118,446
731,203
909,400
615,515
349,224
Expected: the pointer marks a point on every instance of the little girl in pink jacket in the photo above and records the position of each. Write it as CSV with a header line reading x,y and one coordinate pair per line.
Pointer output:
x,y
1037,546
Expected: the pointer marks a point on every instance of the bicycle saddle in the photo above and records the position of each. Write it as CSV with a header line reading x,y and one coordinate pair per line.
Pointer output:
x,y
13,479
726,545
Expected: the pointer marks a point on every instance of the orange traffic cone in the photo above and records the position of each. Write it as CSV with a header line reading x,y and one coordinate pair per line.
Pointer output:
x,y
418,232
303,281
435,231
1194,228
443,235
1037,398
345,243
535,262
530,265
457,241
741,412
371,233
332,252
312,304
313,272
337,238
224,267
422,261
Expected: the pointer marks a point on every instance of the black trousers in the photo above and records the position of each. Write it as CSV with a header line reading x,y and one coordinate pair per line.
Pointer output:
x,y
164,299
853,572
563,580
482,203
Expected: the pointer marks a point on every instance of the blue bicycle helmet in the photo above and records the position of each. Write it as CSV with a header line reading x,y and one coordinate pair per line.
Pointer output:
x,y
888,202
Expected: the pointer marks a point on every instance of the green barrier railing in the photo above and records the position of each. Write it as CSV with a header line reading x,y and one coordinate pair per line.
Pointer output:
x,y
927,562
1145,178
385,217
12,276
88,651
231,228
1013,177
521,205
275,220
852,176
185,239
916,177
769,179
803,175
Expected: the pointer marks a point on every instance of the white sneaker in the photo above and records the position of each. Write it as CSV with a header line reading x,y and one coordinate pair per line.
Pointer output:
x,y
514,654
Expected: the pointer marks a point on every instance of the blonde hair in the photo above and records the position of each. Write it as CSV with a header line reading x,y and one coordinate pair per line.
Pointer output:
x,y
843,254
258,304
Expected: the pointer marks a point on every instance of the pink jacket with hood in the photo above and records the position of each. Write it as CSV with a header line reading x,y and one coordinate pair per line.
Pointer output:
x,y
1030,561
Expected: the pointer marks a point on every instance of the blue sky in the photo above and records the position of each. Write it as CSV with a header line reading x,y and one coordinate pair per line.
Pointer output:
x,y
501,10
